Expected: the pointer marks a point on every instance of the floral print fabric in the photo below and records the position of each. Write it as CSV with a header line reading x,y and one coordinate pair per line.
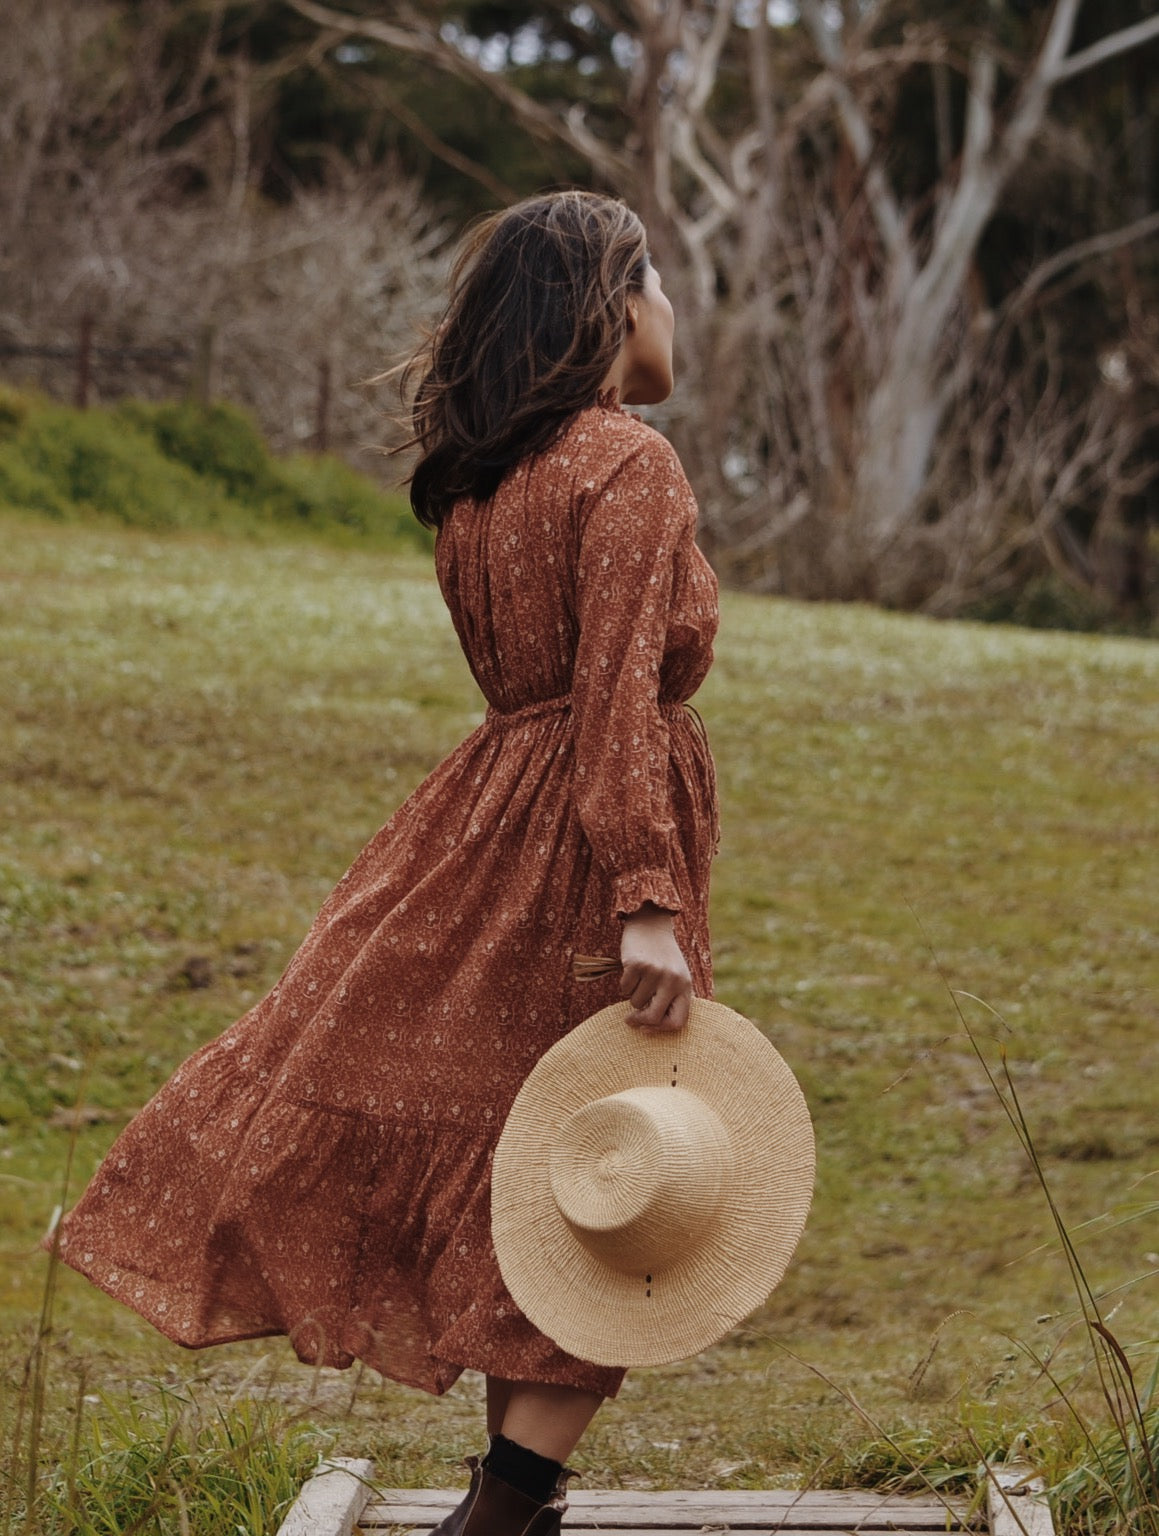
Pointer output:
x,y
322,1169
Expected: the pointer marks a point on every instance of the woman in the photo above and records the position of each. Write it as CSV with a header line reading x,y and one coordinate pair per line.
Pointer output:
x,y
323,1168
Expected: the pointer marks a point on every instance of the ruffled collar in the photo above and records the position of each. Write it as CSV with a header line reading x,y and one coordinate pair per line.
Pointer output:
x,y
609,400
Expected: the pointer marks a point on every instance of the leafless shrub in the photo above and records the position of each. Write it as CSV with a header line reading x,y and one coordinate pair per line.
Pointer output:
x,y
162,238
1029,459
826,314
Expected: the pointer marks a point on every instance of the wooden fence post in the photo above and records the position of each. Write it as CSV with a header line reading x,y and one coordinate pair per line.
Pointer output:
x,y
322,412
201,377
84,361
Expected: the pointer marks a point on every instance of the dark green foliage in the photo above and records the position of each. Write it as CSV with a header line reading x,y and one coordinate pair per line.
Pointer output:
x,y
183,466
356,102
67,464
1046,602
13,411
215,440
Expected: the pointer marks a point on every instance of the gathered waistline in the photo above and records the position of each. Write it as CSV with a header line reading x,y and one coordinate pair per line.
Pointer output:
x,y
561,704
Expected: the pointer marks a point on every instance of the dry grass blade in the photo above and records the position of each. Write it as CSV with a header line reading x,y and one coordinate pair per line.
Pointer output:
x,y
1135,1492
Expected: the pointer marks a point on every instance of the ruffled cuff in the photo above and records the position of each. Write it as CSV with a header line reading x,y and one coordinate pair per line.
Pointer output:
x,y
631,891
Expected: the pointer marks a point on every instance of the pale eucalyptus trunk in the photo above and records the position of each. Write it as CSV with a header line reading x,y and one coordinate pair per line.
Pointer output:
x,y
823,373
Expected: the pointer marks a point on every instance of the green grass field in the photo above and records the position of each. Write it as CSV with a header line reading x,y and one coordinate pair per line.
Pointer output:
x,y
197,734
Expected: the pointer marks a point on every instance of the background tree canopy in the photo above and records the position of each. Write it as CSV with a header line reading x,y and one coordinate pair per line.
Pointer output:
x,y
912,243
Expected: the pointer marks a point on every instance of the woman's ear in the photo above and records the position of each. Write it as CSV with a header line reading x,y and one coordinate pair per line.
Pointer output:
x,y
632,312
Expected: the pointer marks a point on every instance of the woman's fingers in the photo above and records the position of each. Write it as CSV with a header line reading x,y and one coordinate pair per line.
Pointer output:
x,y
679,1008
660,999
639,983
657,1019
655,977
643,984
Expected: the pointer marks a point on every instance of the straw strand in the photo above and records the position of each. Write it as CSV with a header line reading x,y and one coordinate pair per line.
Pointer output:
x,y
592,967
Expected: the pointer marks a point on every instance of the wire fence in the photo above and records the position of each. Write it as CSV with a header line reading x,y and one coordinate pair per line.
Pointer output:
x,y
87,372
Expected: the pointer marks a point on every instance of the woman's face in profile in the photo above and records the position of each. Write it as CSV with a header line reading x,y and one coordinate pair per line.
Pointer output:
x,y
647,353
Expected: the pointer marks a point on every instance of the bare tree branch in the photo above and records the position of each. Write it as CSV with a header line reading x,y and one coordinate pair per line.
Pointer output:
x,y
887,215
689,153
706,57
968,208
1106,48
943,130
979,134
443,151
1031,105
1074,255
419,41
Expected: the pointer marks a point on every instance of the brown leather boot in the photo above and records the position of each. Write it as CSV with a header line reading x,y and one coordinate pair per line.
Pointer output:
x,y
492,1507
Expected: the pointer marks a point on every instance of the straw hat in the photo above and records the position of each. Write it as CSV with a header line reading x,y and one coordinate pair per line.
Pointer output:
x,y
648,1191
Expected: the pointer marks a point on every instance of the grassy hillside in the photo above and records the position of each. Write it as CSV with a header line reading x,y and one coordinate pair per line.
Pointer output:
x,y
176,466
198,733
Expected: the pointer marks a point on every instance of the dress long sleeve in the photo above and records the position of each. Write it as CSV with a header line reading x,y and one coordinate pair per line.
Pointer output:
x,y
634,523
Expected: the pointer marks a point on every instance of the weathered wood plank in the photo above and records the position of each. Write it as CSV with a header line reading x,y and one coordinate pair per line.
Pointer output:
x,y
745,1509
1016,1503
368,1524
332,1500
700,1499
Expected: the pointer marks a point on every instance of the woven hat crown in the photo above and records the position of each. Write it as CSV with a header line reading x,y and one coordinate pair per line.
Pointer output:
x,y
638,1176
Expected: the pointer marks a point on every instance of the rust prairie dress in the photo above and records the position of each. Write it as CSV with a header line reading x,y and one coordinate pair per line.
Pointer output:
x,y
322,1169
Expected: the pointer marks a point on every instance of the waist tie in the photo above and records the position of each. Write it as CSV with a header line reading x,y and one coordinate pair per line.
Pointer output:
x,y
561,704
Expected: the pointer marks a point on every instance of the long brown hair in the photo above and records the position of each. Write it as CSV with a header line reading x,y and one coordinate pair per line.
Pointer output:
x,y
537,316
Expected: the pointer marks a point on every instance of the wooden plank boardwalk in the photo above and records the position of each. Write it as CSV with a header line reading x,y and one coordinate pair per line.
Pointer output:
x,y
342,1500
741,1510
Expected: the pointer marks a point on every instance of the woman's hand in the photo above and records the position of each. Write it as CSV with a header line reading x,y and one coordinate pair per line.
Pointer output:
x,y
655,974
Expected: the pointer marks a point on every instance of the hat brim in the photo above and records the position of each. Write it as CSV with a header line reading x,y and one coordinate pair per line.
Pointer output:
x,y
586,1306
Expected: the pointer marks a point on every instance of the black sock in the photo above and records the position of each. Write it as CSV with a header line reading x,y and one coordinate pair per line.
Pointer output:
x,y
528,1471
